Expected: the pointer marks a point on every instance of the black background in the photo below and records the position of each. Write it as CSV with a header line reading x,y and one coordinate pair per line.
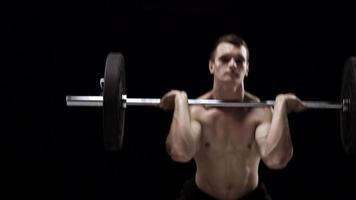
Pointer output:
x,y
53,49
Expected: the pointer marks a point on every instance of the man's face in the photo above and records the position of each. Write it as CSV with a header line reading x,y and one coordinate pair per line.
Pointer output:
x,y
230,63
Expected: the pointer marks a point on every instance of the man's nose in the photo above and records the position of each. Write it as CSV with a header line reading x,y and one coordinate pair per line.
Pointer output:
x,y
232,63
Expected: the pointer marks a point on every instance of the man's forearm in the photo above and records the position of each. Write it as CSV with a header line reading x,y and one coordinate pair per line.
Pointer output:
x,y
278,139
180,143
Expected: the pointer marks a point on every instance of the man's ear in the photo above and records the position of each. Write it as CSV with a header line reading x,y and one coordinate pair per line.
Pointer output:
x,y
211,67
247,69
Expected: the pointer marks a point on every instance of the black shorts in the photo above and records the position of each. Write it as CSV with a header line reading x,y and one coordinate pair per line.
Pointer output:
x,y
191,191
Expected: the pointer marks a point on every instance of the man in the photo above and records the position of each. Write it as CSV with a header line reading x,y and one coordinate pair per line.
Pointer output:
x,y
228,144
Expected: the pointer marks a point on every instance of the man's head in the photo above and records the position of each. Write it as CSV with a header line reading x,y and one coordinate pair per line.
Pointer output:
x,y
229,59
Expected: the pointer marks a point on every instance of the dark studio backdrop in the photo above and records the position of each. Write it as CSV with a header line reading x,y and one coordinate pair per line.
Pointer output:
x,y
53,49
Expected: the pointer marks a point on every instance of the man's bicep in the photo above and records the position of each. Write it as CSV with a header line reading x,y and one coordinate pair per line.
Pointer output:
x,y
196,129
196,126
263,129
262,132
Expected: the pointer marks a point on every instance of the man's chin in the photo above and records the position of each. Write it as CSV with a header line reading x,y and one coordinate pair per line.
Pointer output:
x,y
235,80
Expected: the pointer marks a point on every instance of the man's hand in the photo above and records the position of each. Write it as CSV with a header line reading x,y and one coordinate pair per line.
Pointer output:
x,y
292,102
168,100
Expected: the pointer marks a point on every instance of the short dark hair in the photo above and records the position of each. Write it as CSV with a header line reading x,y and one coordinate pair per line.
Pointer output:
x,y
229,38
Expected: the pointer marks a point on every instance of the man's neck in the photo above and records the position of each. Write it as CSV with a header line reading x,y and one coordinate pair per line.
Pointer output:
x,y
228,92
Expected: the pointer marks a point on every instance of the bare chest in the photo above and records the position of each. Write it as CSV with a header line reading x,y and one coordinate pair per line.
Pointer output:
x,y
228,130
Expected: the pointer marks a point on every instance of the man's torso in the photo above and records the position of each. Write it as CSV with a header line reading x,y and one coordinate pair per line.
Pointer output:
x,y
228,157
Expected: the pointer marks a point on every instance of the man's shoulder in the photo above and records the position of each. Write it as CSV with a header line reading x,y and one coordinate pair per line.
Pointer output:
x,y
249,97
196,110
264,112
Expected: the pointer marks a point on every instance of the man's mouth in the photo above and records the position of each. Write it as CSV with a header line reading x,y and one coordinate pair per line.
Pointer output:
x,y
234,73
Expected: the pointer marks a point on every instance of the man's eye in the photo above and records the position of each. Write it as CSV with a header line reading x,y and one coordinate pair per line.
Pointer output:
x,y
239,61
225,59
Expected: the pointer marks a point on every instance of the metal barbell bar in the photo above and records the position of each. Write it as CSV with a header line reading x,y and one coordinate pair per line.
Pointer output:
x,y
97,101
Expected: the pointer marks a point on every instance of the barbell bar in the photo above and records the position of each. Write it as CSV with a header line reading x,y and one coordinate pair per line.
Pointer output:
x,y
114,102
97,101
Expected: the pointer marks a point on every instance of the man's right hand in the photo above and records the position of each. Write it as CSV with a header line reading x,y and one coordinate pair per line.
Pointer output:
x,y
168,100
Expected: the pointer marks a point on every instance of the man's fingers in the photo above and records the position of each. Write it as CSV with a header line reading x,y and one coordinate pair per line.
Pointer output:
x,y
301,107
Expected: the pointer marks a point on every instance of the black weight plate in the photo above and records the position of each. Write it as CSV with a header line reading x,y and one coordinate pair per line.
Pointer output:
x,y
347,116
113,111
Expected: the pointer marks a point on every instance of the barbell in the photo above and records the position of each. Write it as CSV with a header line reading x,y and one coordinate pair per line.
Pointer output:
x,y
115,101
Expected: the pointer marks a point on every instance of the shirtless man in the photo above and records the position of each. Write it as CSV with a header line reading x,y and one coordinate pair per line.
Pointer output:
x,y
227,144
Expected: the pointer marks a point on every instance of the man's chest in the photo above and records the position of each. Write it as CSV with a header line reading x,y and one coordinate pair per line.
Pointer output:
x,y
228,129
